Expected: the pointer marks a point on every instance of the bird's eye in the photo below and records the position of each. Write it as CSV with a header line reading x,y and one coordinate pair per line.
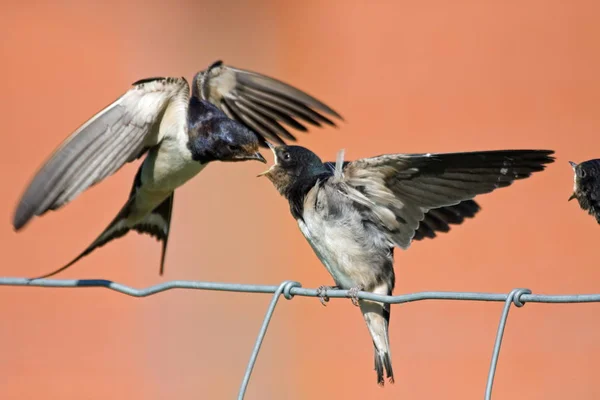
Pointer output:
x,y
286,156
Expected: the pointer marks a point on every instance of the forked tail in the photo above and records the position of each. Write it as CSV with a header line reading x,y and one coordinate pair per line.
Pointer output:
x,y
377,317
156,224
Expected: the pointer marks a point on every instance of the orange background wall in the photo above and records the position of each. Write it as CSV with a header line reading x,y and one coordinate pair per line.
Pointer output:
x,y
436,76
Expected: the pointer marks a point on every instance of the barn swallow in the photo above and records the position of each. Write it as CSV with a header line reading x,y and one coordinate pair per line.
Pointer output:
x,y
355,214
229,114
586,186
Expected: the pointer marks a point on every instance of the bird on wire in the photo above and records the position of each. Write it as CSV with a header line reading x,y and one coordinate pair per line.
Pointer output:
x,y
354,214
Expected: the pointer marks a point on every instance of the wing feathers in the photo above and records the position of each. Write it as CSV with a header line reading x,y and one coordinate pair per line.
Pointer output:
x,y
264,104
268,84
282,113
46,185
247,118
272,116
101,146
415,186
440,219
267,124
291,107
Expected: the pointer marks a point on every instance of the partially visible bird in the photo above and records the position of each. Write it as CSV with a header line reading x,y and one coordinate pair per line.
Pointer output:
x,y
586,187
354,214
228,115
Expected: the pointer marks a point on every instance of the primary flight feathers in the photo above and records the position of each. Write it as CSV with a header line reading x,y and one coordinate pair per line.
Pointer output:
x,y
403,188
228,115
264,103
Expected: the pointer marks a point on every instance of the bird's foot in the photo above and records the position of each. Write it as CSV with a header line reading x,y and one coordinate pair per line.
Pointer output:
x,y
322,293
353,294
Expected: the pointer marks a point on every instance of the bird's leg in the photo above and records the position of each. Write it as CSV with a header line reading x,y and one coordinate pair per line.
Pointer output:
x,y
322,293
353,294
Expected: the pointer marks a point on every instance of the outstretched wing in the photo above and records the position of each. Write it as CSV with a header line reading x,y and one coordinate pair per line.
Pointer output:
x,y
437,219
118,134
266,105
401,189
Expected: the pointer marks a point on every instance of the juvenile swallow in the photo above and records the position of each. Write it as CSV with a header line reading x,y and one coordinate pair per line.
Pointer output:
x,y
229,114
355,214
586,187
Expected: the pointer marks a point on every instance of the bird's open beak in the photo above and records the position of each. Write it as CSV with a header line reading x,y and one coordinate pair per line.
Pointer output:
x,y
275,163
574,165
264,173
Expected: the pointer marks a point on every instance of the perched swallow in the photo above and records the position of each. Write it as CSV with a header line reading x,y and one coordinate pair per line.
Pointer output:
x,y
586,188
355,214
229,113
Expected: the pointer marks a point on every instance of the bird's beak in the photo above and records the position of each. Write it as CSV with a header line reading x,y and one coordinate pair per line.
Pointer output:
x,y
271,147
572,197
257,156
264,173
573,164
274,155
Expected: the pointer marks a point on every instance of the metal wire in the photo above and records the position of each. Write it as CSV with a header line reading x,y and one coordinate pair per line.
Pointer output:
x,y
289,289
284,288
513,297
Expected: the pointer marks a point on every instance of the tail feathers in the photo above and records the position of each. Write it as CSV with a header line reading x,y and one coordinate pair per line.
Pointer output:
x,y
377,317
156,224
383,360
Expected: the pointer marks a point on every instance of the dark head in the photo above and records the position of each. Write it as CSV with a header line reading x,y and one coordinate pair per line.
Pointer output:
x,y
216,137
296,170
587,186
586,176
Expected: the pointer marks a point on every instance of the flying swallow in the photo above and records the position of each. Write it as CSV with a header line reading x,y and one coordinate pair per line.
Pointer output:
x,y
229,114
586,187
355,214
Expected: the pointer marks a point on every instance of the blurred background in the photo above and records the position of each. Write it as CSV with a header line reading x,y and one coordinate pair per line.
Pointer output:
x,y
436,76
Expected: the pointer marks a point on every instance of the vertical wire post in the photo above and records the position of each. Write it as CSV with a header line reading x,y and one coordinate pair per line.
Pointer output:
x,y
513,297
284,289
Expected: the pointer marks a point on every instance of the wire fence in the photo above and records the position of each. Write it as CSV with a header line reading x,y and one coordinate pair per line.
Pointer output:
x,y
289,289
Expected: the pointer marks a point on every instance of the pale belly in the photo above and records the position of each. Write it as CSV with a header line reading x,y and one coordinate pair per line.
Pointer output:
x,y
164,170
168,167
347,260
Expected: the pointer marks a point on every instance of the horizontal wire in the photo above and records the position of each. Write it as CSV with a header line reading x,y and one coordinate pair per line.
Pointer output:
x,y
290,289
295,291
